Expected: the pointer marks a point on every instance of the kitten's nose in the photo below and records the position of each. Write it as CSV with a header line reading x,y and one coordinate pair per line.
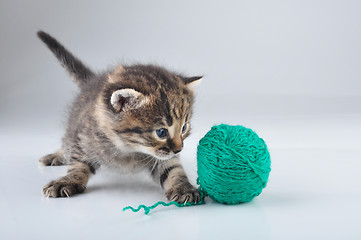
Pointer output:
x,y
177,151
176,145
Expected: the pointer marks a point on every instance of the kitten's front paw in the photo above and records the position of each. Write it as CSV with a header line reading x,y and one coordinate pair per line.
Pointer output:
x,y
62,188
183,194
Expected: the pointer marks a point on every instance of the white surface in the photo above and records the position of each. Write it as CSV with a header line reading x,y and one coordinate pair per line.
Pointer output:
x,y
313,192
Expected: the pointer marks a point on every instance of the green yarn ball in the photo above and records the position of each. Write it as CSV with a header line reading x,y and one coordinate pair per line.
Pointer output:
x,y
233,164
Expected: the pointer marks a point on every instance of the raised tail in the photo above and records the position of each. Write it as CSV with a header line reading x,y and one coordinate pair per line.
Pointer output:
x,y
73,65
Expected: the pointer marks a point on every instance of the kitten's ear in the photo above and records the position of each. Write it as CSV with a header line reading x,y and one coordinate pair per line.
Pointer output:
x,y
126,99
191,82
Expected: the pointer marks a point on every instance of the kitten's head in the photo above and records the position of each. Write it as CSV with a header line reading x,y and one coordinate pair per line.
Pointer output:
x,y
148,109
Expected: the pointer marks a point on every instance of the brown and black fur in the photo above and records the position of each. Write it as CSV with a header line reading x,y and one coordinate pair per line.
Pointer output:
x,y
113,122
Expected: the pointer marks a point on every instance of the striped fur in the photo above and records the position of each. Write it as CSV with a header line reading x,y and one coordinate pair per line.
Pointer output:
x,y
114,122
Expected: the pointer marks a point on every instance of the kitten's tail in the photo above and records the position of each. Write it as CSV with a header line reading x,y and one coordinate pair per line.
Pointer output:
x,y
73,65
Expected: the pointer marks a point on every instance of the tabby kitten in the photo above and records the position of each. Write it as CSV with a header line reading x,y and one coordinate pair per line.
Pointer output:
x,y
132,117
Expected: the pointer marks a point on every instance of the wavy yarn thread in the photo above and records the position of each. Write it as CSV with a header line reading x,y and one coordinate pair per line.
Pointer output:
x,y
148,208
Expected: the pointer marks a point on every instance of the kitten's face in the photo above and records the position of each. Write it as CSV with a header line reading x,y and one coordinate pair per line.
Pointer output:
x,y
157,130
150,109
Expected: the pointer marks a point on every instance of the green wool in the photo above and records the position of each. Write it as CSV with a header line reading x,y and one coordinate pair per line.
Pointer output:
x,y
233,166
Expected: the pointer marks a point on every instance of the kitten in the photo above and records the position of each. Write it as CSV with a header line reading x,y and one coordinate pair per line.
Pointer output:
x,y
132,117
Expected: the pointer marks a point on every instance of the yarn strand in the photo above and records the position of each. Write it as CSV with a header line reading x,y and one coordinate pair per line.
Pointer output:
x,y
147,209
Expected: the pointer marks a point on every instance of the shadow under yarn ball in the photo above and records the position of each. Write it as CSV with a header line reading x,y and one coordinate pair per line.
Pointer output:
x,y
233,164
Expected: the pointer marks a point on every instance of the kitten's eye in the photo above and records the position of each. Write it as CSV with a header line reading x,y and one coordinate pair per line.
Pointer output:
x,y
161,133
184,128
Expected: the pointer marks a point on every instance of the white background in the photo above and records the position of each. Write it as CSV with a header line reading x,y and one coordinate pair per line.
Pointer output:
x,y
290,70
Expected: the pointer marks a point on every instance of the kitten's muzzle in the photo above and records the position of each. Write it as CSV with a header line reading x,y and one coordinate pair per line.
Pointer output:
x,y
168,151
175,146
177,151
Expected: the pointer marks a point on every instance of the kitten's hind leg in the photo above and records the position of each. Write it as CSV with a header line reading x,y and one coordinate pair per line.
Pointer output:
x,y
74,182
53,159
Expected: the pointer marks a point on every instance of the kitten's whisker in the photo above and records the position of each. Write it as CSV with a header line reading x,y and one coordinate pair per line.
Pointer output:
x,y
155,164
149,158
146,158
148,162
